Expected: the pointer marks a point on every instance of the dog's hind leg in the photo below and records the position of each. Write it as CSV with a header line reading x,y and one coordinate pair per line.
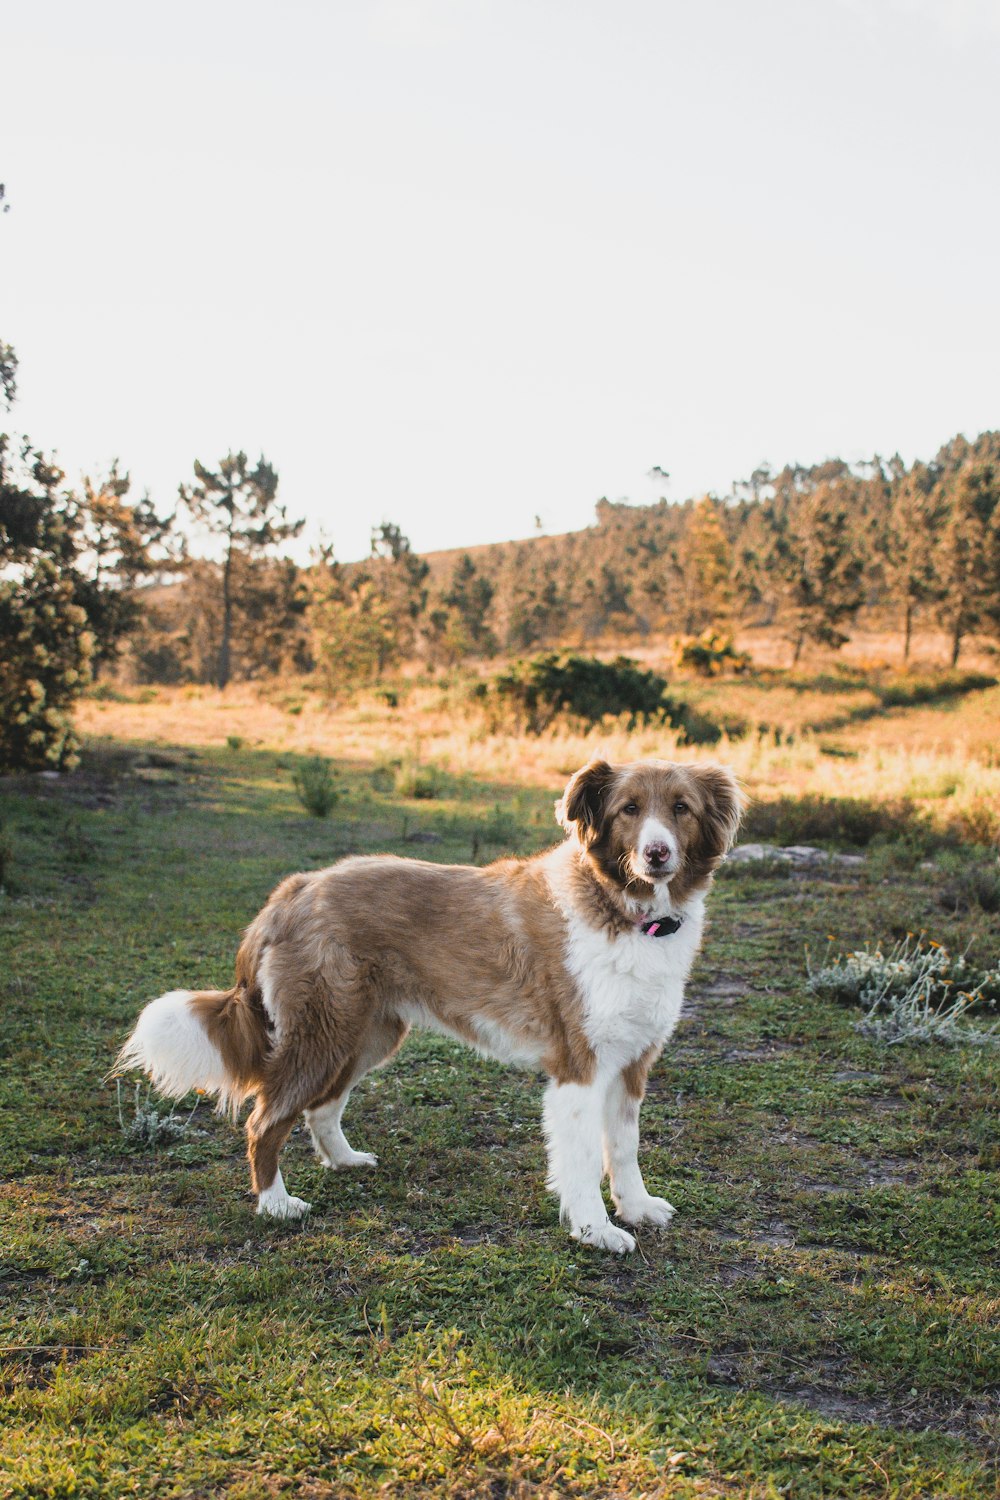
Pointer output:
x,y
323,1118
265,1138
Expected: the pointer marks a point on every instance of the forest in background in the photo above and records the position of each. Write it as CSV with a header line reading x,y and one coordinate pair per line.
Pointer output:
x,y
96,581
805,550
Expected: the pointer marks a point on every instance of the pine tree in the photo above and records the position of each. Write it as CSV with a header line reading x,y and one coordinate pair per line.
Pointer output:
x,y
967,560
706,568
817,563
237,505
352,629
398,577
120,542
915,515
467,602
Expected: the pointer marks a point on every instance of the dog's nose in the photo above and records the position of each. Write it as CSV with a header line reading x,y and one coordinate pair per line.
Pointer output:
x,y
656,854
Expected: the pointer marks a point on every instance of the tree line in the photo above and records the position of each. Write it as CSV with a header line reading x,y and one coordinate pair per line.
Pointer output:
x,y
801,549
95,579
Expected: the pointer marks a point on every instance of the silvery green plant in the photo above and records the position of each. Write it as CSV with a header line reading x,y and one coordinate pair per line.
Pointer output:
x,y
148,1127
916,992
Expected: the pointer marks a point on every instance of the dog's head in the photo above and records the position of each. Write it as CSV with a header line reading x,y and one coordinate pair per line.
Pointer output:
x,y
653,822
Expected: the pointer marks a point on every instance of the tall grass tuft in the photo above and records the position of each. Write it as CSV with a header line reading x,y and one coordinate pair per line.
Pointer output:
x,y
315,787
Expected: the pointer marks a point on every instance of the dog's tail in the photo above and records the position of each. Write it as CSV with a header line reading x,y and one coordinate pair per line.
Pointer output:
x,y
215,1041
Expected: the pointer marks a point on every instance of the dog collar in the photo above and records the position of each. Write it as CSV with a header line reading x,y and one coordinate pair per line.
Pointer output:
x,y
660,926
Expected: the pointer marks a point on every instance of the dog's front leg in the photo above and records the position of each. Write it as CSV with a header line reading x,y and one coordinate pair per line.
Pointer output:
x,y
621,1155
573,1117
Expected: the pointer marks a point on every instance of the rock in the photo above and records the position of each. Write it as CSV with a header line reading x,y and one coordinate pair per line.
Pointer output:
x,y
804,854
792,854
744,853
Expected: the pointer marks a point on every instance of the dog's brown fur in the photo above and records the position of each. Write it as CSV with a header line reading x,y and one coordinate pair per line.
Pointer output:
x,y
336,962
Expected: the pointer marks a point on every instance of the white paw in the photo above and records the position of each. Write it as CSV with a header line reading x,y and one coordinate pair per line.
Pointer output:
x,y
647,1210
334,1151
283,1208
350,1158
606,1236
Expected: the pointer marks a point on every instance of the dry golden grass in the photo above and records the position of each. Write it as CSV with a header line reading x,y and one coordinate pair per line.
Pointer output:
x,y
944,757
868,648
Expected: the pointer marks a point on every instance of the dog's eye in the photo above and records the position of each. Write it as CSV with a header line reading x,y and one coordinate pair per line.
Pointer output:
x,y
630,808
680,807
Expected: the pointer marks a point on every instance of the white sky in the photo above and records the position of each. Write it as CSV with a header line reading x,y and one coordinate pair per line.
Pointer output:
x,y
460,262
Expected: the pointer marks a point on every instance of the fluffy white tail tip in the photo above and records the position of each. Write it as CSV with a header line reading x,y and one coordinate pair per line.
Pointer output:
x,y
170,1044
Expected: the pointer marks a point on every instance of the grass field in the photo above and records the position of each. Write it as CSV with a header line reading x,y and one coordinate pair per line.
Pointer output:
x,y
820,1319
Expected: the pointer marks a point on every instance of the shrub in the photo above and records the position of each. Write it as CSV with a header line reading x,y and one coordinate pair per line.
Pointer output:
x,y
500,830
148,1127
841,820
580,685
383,776
44,666
711,654
977,822
973,884
536,692
412,779
315,786
918,991
696,727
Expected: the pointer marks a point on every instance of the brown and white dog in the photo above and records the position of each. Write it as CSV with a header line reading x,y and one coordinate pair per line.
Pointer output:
x,y
572,962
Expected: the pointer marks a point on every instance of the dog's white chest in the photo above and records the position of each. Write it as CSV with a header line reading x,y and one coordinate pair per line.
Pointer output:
x,y
632,986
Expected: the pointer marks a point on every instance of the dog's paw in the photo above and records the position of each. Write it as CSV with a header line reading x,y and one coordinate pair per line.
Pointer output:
x,y
346,1157
356,1159
283,1208
647,1210
606,1236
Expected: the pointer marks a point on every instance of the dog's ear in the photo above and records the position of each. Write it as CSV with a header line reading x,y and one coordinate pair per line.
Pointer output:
x,y
724,802
581,804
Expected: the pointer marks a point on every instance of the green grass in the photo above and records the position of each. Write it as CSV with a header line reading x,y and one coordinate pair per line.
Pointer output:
x,y
820,1320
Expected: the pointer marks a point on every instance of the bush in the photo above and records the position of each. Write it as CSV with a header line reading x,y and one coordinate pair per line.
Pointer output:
x,y
412,779
973,884
696,727
315,786
536,692
148,1127
711,654
918,991
44,667
579,685
383,776
499,830
840,820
